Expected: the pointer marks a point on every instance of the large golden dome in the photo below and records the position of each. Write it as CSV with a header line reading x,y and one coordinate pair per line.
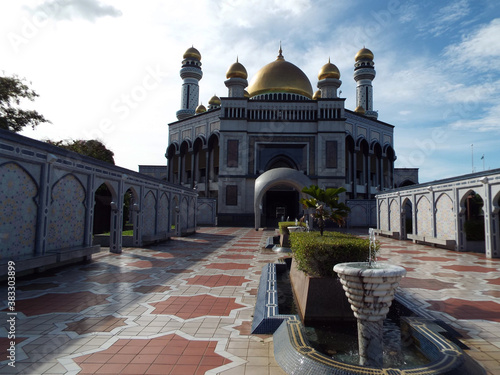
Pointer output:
x,y
364,53
236,70
192,52
280,76
328,70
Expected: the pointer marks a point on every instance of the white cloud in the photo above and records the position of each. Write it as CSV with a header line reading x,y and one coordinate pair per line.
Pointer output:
x,y
485,122
448,16
479,49
71,9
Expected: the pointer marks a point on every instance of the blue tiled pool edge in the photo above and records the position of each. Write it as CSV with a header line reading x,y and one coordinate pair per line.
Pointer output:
x,y
266,317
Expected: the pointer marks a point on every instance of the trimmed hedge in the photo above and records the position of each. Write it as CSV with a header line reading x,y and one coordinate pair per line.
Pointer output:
x,y
283,225
316,255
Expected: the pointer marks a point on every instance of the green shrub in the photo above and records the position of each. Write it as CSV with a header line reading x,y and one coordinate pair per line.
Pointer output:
x,y
316,255
283,225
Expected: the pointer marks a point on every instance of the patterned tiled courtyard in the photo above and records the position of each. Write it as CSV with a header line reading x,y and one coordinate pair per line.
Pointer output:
x,y
185,307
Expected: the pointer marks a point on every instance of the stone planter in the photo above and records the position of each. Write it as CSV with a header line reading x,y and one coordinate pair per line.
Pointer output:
x,y
319,299
284,240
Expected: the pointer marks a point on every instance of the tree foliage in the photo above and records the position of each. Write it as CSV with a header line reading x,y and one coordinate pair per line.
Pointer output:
x,y
93,148
12,91
326,205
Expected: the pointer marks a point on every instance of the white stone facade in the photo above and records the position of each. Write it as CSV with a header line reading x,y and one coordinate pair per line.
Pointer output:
x,y
221,152
439,212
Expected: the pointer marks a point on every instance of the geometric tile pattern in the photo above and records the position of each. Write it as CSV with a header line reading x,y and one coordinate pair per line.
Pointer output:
x,y
217,280
152,289
228,266
53,302
150,263
493,281
462,268
429,284
171,354
116,314
195,306
101,324
462,309
235,256
434,259
110,278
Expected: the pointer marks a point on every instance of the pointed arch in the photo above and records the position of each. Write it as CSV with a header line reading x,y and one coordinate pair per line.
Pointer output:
x,y
163,212
67,200
395,215
445,220
149,214
424,223
18,211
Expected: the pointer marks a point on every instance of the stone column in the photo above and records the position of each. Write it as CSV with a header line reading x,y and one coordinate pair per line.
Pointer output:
x,y
179,169
354,174
115,236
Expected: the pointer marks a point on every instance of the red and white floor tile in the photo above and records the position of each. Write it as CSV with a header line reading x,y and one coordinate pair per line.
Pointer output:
x,y
185,307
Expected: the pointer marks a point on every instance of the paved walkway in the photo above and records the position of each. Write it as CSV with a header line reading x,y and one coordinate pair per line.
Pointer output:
x,y
185,307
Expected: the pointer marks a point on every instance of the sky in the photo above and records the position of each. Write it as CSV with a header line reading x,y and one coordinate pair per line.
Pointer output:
x,y
109,69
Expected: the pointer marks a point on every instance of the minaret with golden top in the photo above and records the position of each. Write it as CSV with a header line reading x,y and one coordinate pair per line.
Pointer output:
x,y
191,74
364,73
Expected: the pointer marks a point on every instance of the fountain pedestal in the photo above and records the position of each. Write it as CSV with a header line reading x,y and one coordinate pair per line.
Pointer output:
x,y
370,290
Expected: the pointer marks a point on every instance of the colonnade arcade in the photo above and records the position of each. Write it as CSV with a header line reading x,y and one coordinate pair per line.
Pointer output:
x,y
195,164
368,168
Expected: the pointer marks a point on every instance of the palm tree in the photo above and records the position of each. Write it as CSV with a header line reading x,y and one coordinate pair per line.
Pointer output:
x,y
326,205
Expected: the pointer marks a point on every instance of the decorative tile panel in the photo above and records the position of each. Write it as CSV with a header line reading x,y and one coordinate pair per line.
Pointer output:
x,y
67,214
149,210
18,211
445,223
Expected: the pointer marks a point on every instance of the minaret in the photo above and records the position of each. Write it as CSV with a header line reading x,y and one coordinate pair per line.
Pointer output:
x,y
191,74
328,81
236,80
364,73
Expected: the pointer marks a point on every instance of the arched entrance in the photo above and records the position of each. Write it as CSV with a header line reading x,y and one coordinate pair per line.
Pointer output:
x,y
277,194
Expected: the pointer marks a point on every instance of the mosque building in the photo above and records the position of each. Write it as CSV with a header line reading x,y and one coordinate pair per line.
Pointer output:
x,y
254,149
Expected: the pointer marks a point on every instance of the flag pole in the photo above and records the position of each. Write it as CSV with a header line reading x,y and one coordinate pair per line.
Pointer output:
x,y
472,156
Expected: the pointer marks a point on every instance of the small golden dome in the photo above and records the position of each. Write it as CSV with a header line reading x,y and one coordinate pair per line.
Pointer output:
x,y
200,109
236,70
328,70
192,53
364,54
360,110
246,94
214,100
280,76
317,95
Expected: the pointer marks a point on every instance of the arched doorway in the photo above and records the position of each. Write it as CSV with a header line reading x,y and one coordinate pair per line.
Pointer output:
x,y
277,194
474,227
102,209
407,217
280,203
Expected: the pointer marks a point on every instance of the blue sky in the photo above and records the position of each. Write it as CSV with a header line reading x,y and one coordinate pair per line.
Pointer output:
x,y
109,69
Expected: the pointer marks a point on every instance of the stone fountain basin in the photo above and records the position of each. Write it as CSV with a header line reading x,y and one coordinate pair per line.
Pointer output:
x,y
369,287
294,354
